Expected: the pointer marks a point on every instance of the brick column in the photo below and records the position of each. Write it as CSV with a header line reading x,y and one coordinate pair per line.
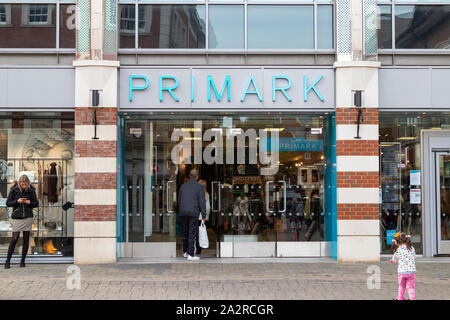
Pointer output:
x,y
357,163
95,159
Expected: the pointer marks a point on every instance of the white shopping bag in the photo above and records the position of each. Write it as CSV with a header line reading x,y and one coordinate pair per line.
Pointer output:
x,y
203,236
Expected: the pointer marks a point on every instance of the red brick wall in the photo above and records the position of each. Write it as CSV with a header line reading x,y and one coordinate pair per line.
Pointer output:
x,y
357,147
358,211
106,116
95,180
97,149
95,213
358,179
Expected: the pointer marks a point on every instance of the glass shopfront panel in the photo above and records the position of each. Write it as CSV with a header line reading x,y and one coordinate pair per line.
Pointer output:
x,y
171,26
226,27
287,27
264,175
400,173
422,27
40,146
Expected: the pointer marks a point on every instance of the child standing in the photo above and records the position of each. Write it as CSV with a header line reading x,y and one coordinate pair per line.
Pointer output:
x,y
405,255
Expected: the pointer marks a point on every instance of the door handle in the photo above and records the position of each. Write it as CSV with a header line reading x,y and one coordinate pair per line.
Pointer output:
x,y
267,196
167,196
212,195
284,195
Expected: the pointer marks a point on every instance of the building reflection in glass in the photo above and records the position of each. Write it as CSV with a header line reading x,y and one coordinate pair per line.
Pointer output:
x,y
28,26
422,27
165,26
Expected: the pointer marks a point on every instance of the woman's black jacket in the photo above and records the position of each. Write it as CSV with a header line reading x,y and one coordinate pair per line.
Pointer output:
x,y
22,210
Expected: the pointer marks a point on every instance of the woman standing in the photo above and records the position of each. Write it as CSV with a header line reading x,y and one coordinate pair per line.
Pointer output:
x,y
22,198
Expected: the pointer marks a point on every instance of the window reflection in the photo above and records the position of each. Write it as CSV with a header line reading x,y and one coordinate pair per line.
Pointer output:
x,y
67,26
226,27
280,27
400,159
127,26
172,26
422,27
325,27
27,26
385,31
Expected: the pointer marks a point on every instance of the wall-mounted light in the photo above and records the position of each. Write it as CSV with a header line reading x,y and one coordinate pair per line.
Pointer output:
x,y
357,101
95,98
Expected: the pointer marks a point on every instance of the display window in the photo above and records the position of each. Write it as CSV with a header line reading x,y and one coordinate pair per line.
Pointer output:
x,y
263,176
41,147
401,184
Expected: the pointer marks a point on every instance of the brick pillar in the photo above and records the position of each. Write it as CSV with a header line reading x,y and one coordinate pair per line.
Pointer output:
x,y
357,163
95,159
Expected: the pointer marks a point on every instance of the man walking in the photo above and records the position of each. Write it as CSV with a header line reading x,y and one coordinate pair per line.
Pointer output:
x,y
191,201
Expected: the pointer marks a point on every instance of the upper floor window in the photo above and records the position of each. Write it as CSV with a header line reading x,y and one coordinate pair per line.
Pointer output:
x,y
36,25
414,25
237,25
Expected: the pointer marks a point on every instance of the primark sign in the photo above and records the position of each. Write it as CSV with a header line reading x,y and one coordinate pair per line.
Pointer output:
x,y
226,88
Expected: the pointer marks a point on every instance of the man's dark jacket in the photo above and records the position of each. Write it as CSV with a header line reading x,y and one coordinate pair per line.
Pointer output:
x,y
191,199
22,210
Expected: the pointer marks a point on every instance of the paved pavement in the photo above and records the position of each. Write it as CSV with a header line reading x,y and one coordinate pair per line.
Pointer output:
x,y
221,279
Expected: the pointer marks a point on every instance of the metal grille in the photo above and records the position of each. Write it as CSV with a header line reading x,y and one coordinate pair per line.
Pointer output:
x,y
370,27
343,26
110,26
83,25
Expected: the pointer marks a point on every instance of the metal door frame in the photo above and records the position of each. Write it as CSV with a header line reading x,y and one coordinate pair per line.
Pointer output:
x,y
431,142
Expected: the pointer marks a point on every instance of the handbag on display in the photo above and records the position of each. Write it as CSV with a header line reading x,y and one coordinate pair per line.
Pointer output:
x,y
203,236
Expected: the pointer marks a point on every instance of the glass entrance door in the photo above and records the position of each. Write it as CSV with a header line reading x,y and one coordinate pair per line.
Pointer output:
x,y
263,176
443,201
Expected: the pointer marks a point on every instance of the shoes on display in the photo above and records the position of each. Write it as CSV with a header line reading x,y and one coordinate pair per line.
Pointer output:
x,y
193,258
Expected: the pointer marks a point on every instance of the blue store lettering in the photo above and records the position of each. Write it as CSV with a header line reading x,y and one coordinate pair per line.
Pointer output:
x,y
280,87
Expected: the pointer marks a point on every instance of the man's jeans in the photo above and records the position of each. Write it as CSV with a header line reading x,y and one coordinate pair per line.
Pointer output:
x,y
189,233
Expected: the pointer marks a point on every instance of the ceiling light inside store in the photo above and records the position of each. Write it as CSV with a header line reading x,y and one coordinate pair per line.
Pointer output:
x,y
191,129
274,129
407,138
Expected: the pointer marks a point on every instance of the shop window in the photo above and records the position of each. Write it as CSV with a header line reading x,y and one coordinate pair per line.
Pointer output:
x,y
400,168
40,147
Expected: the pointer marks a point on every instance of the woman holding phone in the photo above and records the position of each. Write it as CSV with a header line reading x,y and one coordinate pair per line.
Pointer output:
x,y
22,197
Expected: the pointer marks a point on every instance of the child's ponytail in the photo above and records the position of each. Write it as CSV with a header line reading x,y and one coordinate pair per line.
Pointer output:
x,y
406,240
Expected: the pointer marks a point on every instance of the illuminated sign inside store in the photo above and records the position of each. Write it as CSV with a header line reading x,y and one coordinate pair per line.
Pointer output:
x,y
251,87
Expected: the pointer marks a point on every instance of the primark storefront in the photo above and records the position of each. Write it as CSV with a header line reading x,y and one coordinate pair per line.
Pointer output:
x,y
263,140
258,95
